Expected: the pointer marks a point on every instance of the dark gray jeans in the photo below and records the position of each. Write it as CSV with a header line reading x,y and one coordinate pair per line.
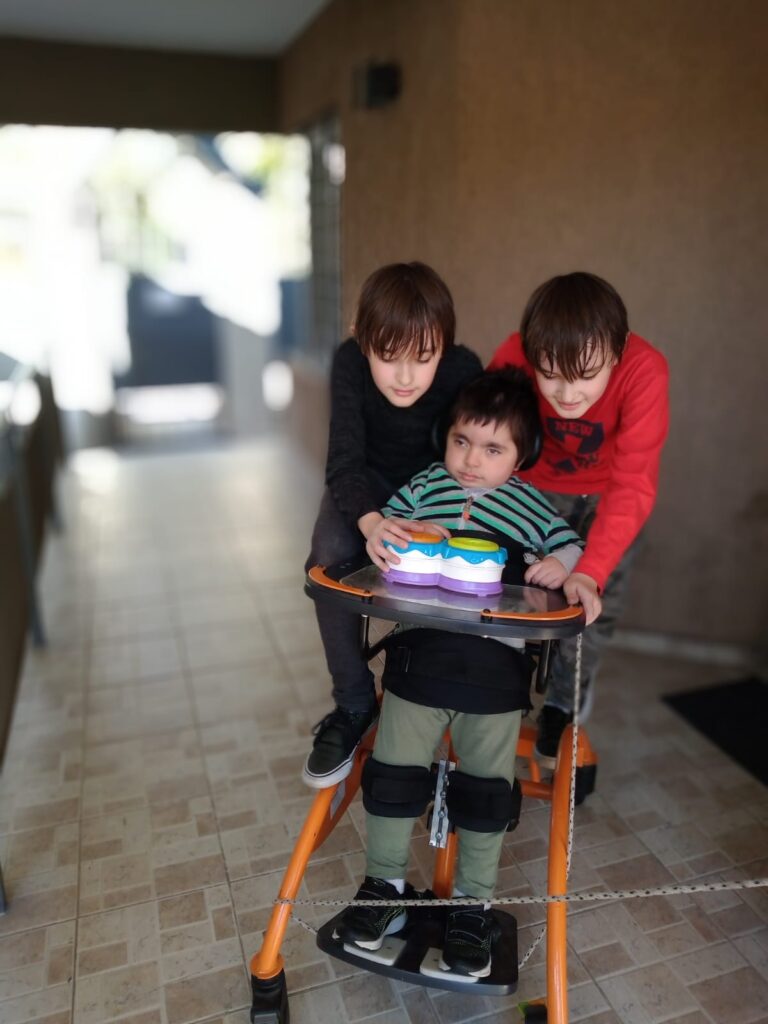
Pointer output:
x,y
335,539
579,512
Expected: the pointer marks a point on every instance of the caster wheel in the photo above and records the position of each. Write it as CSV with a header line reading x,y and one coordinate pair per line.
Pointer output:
x,y
585,782
270,1000
535,1015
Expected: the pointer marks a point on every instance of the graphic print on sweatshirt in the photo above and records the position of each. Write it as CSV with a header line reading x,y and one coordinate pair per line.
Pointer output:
x,y
581,439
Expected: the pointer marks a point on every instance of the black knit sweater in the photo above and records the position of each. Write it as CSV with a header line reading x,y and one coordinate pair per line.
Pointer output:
x,y
369,433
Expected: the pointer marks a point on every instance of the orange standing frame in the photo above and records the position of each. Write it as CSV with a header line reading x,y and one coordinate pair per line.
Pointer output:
x,y
270,1000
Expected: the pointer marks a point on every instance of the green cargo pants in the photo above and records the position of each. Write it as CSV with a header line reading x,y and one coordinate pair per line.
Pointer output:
x,y
485,746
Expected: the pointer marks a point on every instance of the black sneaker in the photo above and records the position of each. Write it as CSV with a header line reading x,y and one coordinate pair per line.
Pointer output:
x,y
469,933
551,724
336,739
367,926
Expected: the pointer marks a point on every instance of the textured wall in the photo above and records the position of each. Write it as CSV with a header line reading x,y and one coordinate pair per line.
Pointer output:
x,y
629,139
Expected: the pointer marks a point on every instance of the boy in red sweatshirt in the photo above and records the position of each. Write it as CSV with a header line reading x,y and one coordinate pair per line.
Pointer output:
x,y
604,408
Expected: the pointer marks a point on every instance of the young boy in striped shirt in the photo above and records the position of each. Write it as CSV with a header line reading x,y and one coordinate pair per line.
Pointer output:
x,y
493,430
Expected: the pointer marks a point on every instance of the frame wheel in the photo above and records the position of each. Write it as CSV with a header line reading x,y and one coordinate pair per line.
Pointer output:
x,y
535,1015
270,1000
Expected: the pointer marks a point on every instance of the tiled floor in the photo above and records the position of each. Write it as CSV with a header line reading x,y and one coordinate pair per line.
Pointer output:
x,y
150,795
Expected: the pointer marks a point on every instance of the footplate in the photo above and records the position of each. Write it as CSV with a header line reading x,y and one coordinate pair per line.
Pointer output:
x,y
403,953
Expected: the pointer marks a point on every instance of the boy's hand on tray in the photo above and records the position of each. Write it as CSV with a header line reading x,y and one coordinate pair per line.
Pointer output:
x,y
549,572
582,589
376,529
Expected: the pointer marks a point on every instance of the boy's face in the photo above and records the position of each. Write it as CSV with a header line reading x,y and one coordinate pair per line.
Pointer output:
x,y
572,398
405,376
480,454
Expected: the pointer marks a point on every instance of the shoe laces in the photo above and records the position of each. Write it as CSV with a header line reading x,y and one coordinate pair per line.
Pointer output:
x,y
338,718
332,718
468,925
376,889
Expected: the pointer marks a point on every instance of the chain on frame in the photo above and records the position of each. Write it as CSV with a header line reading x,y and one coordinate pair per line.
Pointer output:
x,y
604,896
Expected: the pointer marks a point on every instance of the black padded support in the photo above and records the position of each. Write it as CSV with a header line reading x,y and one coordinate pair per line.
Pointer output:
x,y
482,805
396,791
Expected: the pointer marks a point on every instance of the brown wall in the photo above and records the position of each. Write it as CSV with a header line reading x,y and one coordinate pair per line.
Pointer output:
x,y
629,139
102,86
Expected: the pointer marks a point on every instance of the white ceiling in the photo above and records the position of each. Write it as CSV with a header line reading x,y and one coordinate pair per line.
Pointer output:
x,y
212,26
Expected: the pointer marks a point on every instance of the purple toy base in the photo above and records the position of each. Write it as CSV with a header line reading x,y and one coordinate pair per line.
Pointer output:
x,y
416,579
467,587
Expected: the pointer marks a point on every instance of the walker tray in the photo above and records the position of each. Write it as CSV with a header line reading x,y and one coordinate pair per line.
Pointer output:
x,y
530,613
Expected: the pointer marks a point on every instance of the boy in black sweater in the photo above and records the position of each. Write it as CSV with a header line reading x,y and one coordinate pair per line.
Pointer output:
x,y
389,384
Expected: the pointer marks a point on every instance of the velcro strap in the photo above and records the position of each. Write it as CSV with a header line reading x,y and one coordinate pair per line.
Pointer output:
x,y
482,805
396,791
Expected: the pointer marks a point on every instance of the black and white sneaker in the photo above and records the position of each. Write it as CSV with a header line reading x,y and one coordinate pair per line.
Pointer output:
x,y
336,739
367,927
469,933
550,726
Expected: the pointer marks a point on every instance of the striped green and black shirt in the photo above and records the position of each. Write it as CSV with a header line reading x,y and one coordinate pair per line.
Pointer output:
x,y
515,509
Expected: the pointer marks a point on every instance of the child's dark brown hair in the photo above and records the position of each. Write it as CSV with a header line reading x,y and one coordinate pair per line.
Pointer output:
x,y
404,308
576,321
502,397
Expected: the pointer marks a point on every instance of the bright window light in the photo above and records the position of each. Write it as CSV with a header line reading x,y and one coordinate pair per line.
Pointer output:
x,y
277,385
180,403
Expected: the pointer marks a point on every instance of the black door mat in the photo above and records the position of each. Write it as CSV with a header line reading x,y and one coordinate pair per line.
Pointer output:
x,y
734,716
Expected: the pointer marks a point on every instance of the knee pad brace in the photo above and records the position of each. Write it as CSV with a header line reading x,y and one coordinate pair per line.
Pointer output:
x,y
483,805
396,791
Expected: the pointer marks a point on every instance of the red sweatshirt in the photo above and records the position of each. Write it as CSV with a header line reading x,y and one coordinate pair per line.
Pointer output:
x,y
613,450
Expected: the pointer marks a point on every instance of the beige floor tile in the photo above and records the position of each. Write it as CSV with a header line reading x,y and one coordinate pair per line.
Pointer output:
x,y
36,971
452,1007
40,850
148,949
740,995
48,1006
44,814
150,770
247,850
192,998
754,948
585,1000
650,993
366,995
105,996
223,645
128,622
37,909
141,855
709,962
